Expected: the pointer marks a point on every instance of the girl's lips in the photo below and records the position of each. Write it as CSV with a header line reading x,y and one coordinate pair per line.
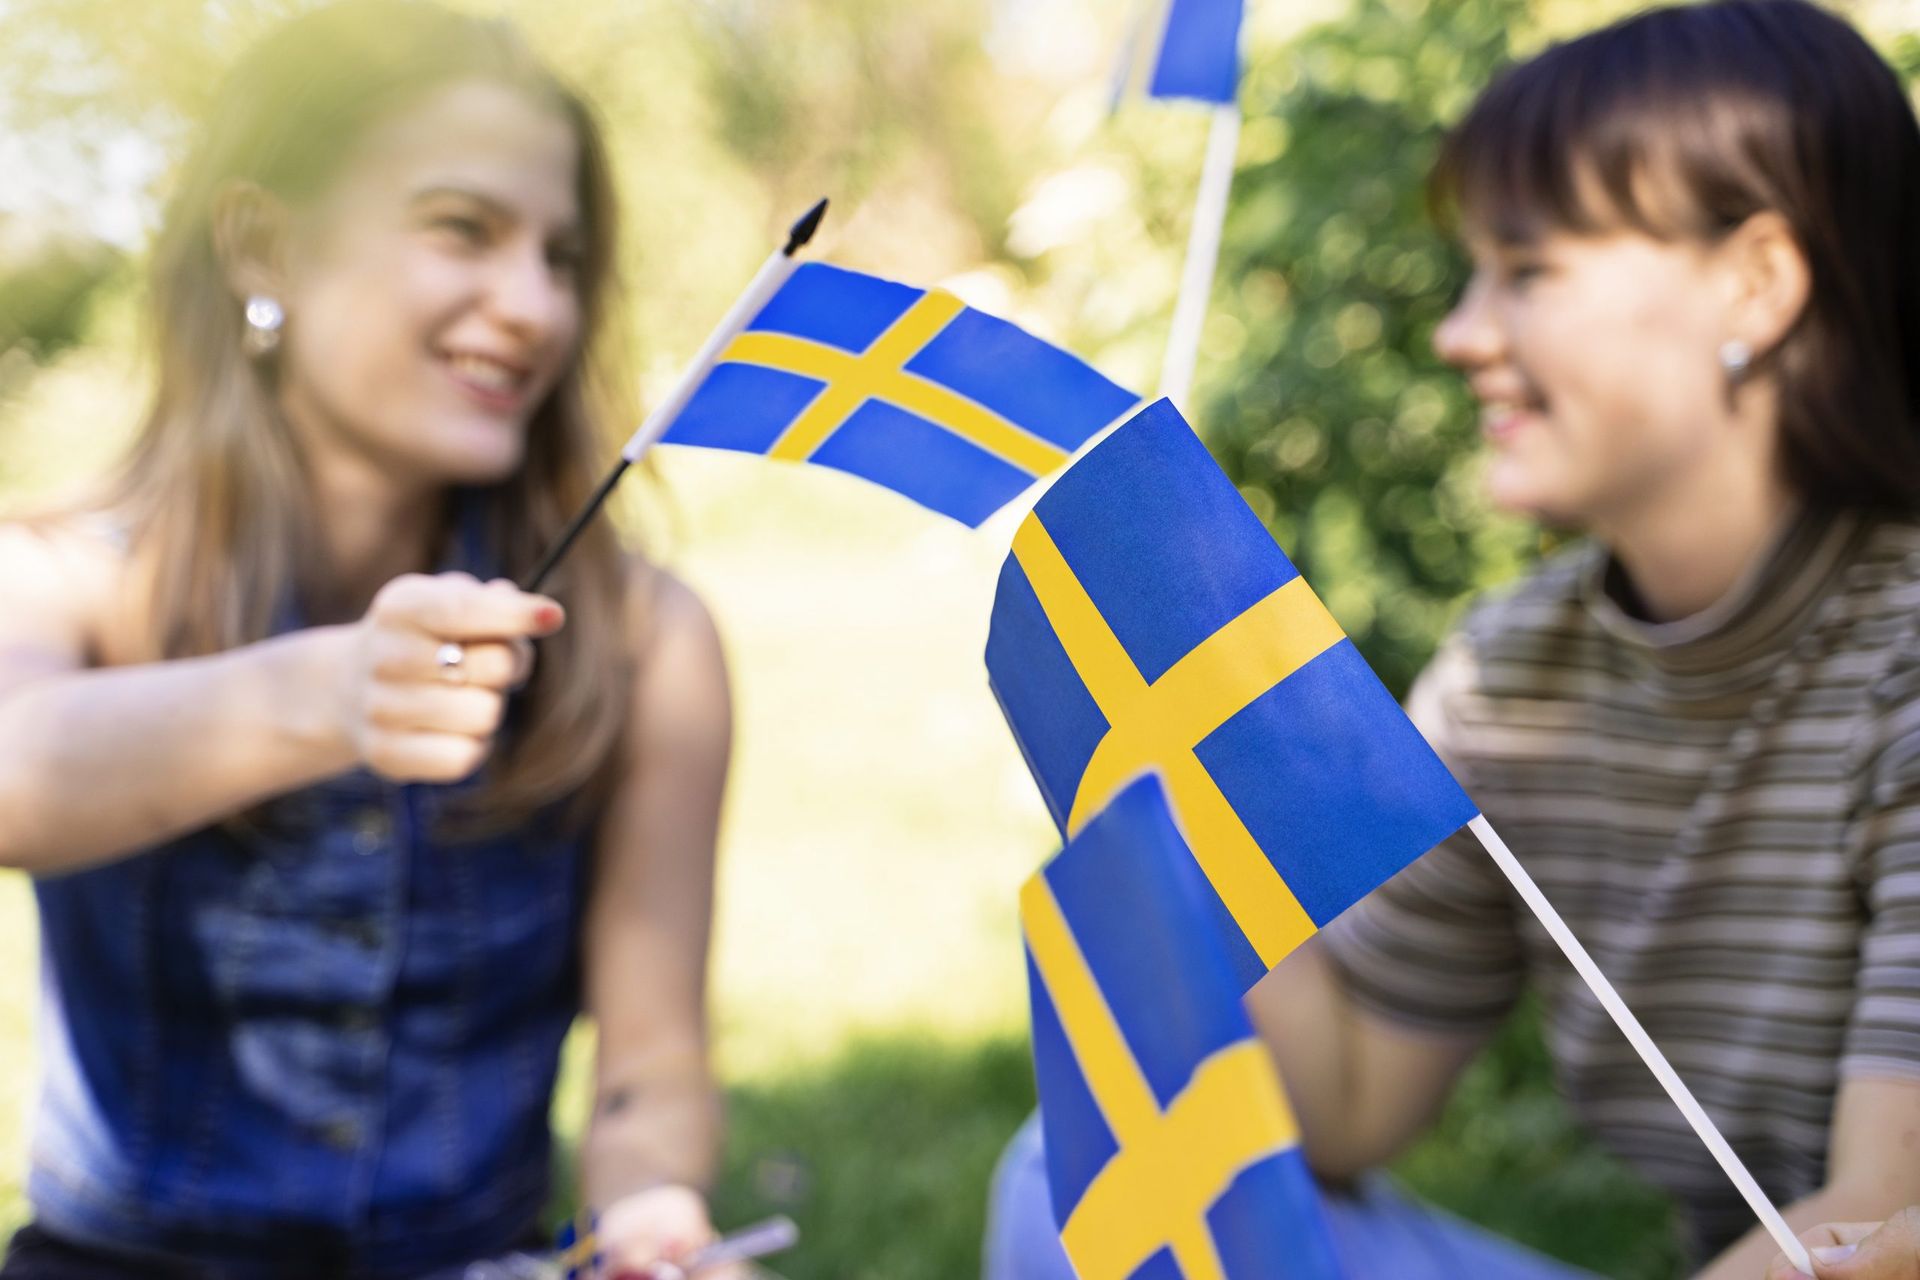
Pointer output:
x,y
494,399
1499,425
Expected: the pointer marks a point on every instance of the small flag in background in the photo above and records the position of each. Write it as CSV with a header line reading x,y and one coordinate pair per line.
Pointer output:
x,y
1171,1151
909,388
577,1247
1147,620
1184,49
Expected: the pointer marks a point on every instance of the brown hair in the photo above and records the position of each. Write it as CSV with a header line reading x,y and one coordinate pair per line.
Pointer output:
x,y
1683,123
215,489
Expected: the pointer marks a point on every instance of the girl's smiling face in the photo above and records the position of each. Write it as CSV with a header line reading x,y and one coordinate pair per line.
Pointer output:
x,y
432,291
1596,362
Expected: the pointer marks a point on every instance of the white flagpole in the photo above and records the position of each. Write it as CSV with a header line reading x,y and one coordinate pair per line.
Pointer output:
x,y
1203,255
773,273
1643,1044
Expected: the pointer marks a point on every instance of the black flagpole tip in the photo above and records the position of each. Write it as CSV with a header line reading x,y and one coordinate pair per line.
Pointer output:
x,y
803,230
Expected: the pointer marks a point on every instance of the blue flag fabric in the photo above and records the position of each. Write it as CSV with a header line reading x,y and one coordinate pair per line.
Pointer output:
x,y
1186,49
577,1247
906,387
1171,1151
1147,620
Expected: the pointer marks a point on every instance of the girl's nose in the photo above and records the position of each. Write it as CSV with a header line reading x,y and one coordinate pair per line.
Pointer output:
x,y
1470,336
527,294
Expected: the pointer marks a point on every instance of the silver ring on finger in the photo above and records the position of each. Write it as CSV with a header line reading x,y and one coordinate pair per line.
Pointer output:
x,y
451,660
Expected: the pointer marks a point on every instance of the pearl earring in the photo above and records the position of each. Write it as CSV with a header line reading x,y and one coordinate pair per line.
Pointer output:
x,y
1736,357
265,316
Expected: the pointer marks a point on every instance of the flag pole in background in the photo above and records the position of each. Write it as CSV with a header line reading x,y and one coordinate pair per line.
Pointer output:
x,y
1190,49
1203,256
773,273
1642,1043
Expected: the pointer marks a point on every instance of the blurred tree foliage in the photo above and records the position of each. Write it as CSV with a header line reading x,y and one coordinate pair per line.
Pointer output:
x,y
1343,430
726,117
1007,178
45,291
1319,392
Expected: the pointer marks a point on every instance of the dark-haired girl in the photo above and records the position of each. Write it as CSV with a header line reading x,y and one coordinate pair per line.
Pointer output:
x,y
1694,327
326,861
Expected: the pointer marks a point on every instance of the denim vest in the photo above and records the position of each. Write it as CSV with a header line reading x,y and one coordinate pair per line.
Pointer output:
x,y
321,1043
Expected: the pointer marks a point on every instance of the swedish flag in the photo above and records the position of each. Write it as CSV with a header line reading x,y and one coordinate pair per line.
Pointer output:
x,y
577,1247
1171,1151
1147,620
909,388
1185,49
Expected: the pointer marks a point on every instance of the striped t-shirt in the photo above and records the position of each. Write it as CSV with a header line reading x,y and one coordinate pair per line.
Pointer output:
x,y
1726,810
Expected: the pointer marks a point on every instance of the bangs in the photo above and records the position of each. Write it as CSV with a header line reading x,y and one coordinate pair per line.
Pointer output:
x,y
1614,131
1683,123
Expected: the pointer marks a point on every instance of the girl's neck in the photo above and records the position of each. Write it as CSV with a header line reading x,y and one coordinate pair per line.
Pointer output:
x,y
373,530
1684,551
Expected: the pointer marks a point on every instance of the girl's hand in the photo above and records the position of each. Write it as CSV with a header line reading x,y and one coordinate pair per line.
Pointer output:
x,y
661,1225
428,671
1887,1250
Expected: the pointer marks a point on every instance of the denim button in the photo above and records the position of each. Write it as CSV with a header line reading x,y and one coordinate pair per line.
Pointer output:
x,y
364,933
372,829
342,1134
357,1018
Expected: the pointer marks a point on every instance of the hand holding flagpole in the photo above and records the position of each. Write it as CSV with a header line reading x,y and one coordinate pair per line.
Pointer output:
x,y
773,273
1643,1044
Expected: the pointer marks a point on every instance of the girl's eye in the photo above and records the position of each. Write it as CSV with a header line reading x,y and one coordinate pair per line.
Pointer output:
x,y
470,230
564,257
1520,274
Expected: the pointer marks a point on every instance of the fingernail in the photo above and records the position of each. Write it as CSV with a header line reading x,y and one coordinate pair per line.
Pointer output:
x,y
1835,1252
549,617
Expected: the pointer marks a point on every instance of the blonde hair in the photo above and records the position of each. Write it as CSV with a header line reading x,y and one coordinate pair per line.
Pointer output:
x,y
215,491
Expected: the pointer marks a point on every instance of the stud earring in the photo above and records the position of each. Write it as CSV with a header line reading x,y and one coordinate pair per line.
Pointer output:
x,y
265,316
1736,357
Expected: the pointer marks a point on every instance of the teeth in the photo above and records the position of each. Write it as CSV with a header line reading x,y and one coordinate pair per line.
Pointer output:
x,y
490,374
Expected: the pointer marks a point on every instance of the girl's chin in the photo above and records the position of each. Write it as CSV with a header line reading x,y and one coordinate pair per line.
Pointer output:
x,y
475,457
1517,491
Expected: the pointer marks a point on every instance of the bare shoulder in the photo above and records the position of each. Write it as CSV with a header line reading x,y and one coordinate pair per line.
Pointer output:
x,y
664,610
59,577
682,684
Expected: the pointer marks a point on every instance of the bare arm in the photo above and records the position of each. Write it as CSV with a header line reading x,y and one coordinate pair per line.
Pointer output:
x,y
1872,1173
98,762
653,1140
1362,1087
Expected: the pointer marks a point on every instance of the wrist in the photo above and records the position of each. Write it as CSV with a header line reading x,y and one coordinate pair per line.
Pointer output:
x,y
619,1162
305,674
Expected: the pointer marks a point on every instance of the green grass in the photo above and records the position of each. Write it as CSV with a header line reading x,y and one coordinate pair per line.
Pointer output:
x,y
882,1156
1506,1154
